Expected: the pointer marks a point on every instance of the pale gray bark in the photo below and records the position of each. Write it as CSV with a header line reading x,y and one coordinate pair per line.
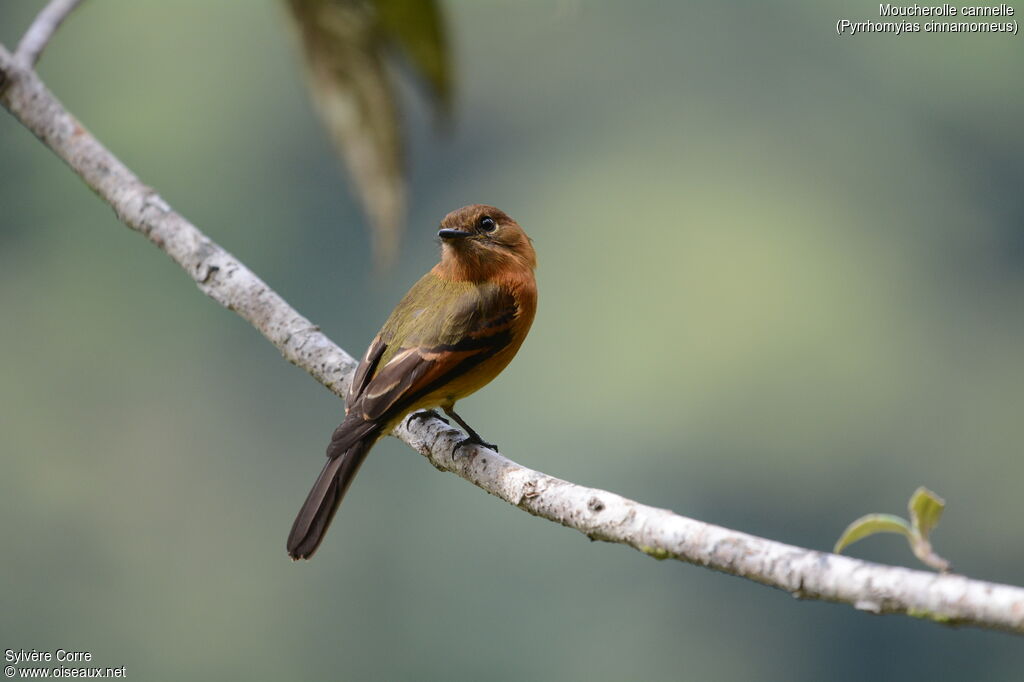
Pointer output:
x,y
599,514
42,29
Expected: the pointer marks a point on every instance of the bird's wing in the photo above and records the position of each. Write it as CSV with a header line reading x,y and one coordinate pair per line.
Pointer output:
x,y
430,341
366,369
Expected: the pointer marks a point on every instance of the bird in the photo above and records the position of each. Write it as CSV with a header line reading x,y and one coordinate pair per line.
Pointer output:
x,y
455,330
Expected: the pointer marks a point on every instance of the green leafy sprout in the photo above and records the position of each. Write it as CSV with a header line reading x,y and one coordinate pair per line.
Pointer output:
x,y
925,509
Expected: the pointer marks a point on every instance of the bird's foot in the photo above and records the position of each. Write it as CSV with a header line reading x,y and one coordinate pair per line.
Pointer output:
x,y
472,440
423,415
474,437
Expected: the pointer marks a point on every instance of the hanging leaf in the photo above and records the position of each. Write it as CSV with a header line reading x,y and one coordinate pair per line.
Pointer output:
x,y
348,44
418,29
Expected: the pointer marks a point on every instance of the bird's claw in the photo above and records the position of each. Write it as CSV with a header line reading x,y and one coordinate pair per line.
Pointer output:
x,y
470,440
423,415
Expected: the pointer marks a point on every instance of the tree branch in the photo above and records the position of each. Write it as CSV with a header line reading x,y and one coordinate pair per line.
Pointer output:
x,y
42,29
598,514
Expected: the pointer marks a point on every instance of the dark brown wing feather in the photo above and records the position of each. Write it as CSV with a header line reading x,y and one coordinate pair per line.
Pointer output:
x,y
366,369
414,372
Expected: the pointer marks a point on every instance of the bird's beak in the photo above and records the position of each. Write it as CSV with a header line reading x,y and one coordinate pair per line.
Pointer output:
x,y
448,233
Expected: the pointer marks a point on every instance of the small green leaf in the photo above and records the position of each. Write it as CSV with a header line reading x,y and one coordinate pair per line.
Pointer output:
x,y
871,524
925,510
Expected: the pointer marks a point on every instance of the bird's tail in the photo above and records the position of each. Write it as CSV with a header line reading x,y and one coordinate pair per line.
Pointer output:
x,y
323,500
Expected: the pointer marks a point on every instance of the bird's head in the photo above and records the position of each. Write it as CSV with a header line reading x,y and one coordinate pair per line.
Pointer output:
x,y
478,241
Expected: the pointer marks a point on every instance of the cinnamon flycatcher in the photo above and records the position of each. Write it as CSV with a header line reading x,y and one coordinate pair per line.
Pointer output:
x,y
455,330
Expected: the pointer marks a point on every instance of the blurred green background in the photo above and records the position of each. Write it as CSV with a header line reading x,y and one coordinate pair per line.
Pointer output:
x,y
782,285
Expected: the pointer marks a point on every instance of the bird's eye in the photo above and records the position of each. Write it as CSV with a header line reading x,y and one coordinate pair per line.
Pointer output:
x,y
487,224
